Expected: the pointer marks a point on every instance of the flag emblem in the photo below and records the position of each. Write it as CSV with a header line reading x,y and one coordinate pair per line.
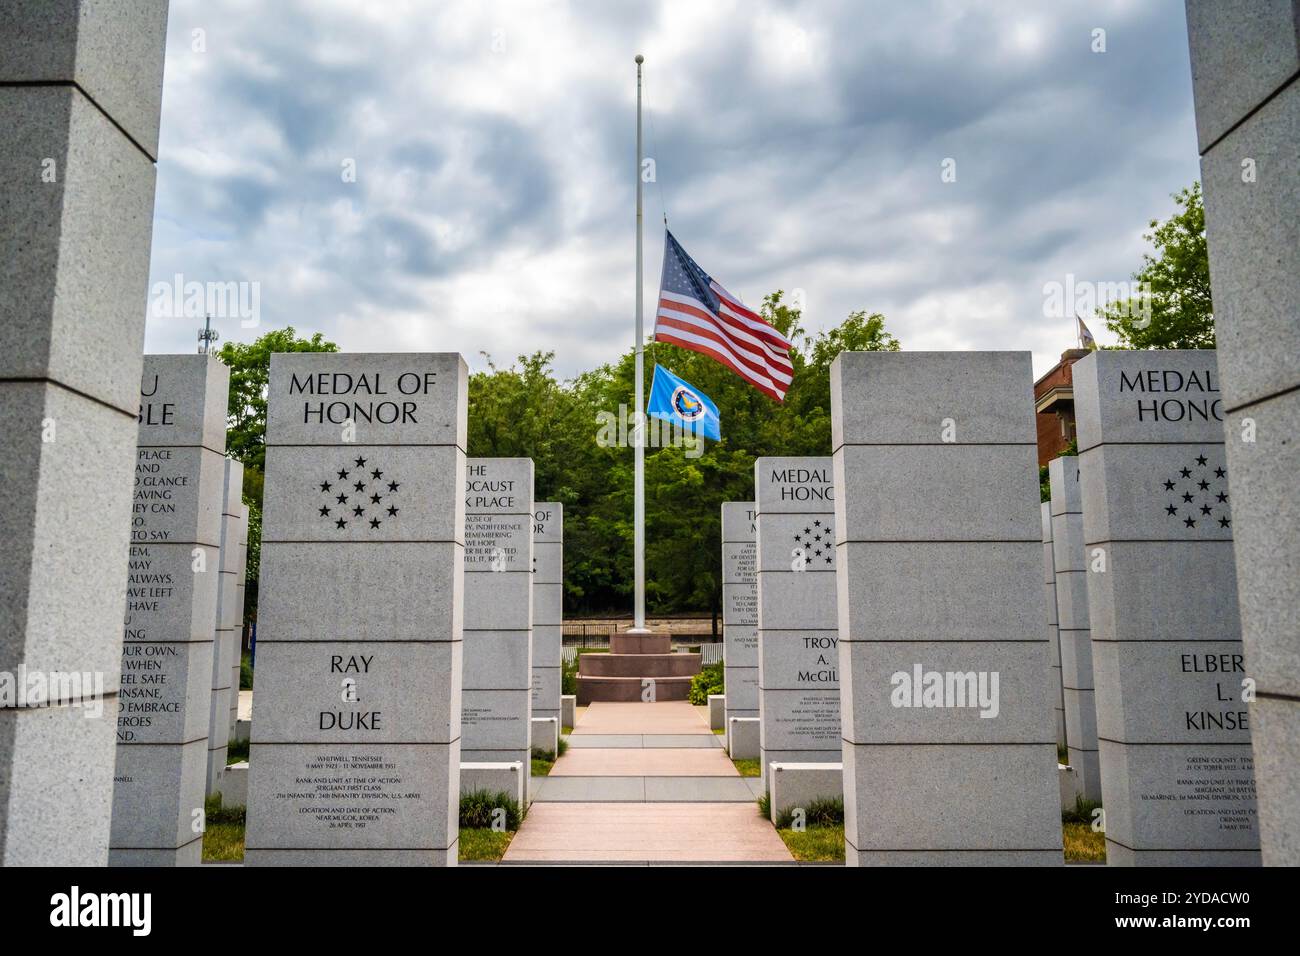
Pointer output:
x,y
817,542
695,312
359,494
677,401
1196,496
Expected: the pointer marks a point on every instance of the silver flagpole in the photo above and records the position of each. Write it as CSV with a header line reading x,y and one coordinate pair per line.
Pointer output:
x,y
638,543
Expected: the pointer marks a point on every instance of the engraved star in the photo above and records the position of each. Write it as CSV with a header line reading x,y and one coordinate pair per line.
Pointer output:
x,y
1201,460
1169,486
374,522
393,511
342,499
361,463
376,474
1189,522
358,511
1223,496
392,486
1219,473
1188,496
340,523
817,524
1224,523
324,511
375,499
1204,484
325,486
343,472
807,530
360,486
1205,509
1186,473
1171,510
828,559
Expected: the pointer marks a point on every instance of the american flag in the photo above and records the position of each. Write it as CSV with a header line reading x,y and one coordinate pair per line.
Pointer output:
x,y
697,313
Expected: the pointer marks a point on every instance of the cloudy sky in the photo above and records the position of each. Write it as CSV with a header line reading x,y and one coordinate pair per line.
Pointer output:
x,y
798,146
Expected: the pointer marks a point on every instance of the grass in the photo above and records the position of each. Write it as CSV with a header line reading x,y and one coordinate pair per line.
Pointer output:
x,y
479,844
479,811
565,731
236,752
720,730
1082,845
821,843
748,768
541,764
223,836
1062,755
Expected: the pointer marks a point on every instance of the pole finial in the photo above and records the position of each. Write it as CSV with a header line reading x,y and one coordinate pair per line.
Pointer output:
x,y
639,59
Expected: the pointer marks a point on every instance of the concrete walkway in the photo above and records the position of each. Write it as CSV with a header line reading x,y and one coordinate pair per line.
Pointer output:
x,y
645,784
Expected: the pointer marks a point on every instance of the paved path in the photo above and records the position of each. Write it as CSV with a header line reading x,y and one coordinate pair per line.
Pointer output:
x,y
648,784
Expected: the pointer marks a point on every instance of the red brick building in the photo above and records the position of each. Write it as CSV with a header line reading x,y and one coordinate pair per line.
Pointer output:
x,y
1054,403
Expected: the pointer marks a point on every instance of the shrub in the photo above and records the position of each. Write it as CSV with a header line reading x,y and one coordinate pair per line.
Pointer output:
x,y
569,677
1082,812
477,809
825,811
708,681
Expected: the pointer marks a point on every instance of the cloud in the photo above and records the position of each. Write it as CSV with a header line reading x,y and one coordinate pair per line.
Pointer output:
x,y
797,145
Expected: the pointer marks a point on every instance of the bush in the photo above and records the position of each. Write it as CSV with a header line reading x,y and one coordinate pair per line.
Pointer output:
x,y
245,672
569,677
826,811
478,809
1082,812
708,681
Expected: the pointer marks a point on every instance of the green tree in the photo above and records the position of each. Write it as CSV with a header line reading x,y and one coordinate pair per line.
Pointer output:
x,y
1181,311
250,371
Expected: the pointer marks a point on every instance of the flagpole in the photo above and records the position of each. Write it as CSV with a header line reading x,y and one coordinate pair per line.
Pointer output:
x,y
638,542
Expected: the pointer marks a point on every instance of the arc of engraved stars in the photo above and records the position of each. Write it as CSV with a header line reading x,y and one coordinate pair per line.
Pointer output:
x,y
377,496
1212,497
817,540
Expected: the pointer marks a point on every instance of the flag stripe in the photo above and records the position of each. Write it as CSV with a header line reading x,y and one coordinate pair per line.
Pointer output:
x,y
694,328
705,347
751,318
740,342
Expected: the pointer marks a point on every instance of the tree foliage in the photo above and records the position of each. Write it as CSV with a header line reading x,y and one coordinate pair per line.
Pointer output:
x,y
1181,314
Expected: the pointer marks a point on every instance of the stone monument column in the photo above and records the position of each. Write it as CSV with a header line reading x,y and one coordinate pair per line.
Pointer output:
x,y
1072,624
949,743
355,751
1053,624
798,661
496,711
80,88
226,648
740,609
165,695
1172,725
241,561
1246,79
548,607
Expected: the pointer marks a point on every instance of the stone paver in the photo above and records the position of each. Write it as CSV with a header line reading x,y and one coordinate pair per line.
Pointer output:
x,y
646,832
644,762
664,717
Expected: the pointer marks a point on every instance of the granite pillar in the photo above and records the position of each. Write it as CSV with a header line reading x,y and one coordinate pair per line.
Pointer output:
x,y
496,711
739,610
1168,667
80,89
165,695
548,607
949,743
1072,624
798,663
355,750
1246,79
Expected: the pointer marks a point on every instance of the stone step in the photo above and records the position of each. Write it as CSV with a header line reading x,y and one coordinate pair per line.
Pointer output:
x,y
640,643
629,689
638,665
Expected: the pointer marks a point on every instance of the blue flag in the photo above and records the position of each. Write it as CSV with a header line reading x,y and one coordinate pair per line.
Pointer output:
x,y
676,400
